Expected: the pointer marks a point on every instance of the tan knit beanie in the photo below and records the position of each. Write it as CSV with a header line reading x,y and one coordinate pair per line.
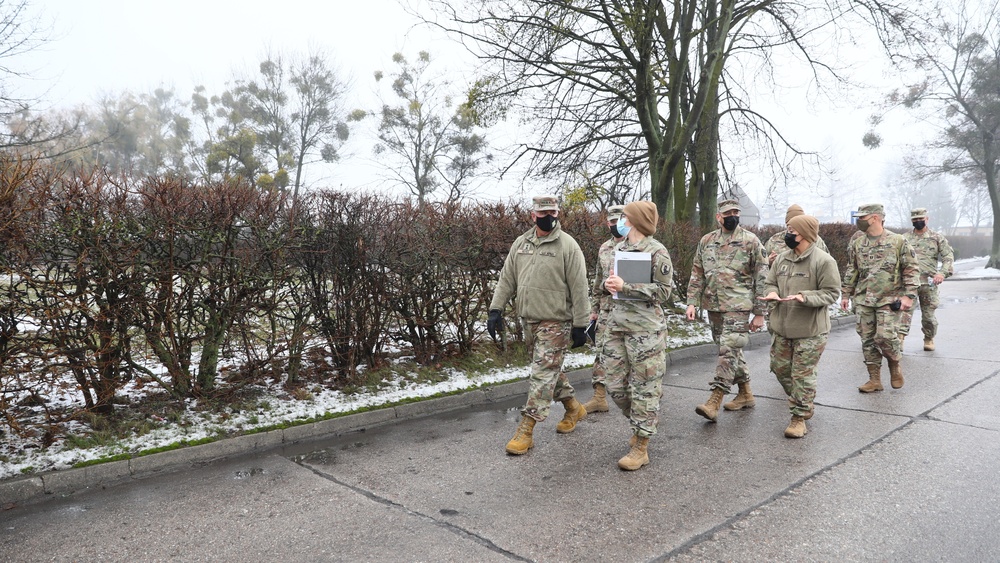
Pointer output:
x,y
794,210
643,216
805,225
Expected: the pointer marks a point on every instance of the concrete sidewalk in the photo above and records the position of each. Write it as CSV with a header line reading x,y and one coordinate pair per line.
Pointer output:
x,y
66,482
899,475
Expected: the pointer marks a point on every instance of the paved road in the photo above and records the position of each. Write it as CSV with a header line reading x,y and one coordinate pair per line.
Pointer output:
x,y
907,475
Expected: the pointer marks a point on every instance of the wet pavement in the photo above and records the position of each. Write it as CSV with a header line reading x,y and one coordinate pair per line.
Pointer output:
x,y
902,475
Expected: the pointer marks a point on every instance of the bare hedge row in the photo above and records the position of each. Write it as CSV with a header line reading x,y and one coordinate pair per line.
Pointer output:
x,y
105,278
111,278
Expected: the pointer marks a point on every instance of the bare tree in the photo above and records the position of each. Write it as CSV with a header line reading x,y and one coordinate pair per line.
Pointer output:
x,y
431,139
960,92
297,111
636,92
974,202
22,31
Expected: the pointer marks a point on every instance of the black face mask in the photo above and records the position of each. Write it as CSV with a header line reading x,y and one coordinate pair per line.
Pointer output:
x,y
730,223
545,222
790,240
919,225
614,231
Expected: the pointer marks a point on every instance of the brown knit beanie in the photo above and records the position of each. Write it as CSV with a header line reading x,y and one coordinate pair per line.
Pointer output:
x,y
805,225
643,216
794,210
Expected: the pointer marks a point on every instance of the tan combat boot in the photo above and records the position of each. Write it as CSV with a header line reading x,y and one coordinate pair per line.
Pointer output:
x,y
895,374
522,440
874,379
637,456
929,344
796,428
744,399
710,409
574,413
599,402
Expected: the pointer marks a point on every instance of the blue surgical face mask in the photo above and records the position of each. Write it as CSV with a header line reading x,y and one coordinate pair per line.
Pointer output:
x,y
623,229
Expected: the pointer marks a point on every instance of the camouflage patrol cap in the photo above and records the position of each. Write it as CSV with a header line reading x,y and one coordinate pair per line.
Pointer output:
x,y
871,209
615,211
918,213
728,204
545,203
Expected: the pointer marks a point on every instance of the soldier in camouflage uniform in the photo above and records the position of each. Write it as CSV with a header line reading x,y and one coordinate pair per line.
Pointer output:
x,y
931,248
545,269
727,277
600,301
634,350
776,244
882,280
801,285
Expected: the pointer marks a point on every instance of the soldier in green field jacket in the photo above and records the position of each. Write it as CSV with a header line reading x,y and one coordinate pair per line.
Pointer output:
x,y
937,263
882,279
545,269
801,284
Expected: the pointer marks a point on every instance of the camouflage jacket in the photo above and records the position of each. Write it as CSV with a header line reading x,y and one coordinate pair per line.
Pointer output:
x,y
600,299
776,244
549,277
931,247
880,270
643,310
728,272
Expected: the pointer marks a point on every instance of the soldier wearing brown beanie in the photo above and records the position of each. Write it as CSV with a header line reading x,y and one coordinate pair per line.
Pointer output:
x,y
634,352
800,286
776,244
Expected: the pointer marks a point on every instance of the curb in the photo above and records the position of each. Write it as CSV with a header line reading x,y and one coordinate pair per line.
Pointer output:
x,y
70,481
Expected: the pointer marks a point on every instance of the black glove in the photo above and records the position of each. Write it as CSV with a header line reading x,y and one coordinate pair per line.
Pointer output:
x,y
495,323
579,336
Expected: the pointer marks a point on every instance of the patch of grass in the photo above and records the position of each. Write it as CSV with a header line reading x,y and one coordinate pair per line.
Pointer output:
x,y
108,431
100,460
479,361
177,446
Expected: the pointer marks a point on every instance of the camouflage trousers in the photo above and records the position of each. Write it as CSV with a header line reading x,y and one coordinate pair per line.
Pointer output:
x,y
548,342
731,331
599,374
929,302
878,328
794,362
635,363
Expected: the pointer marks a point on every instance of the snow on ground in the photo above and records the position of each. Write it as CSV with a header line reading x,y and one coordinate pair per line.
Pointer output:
x,y
974,268
275,406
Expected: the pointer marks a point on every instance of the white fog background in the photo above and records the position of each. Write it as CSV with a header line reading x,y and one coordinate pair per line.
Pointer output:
x,y
101,47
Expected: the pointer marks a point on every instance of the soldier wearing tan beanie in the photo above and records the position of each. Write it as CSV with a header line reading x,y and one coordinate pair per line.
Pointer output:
x,y
805,225
634,352
643,216
794,210
776,244
800,287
